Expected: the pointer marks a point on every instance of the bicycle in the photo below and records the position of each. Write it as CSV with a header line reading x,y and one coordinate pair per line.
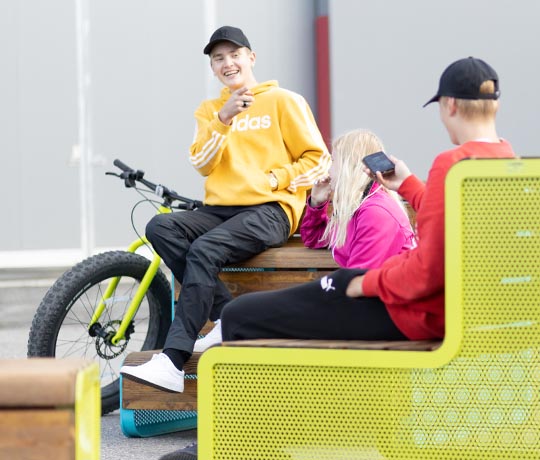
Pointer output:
x,y
110,304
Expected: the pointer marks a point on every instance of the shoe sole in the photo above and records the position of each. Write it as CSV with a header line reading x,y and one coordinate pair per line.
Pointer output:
x,y
150,384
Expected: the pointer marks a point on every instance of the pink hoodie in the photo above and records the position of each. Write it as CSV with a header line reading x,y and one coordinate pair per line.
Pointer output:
x,y
378,229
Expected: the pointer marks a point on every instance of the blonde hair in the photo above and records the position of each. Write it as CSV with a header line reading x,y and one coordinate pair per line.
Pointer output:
x,y
478,109
351,181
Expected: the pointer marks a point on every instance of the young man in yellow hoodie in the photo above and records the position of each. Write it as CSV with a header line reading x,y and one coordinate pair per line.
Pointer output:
x,y
260,150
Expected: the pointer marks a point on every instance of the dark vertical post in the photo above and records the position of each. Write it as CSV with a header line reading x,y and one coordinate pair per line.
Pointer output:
x,y
323,71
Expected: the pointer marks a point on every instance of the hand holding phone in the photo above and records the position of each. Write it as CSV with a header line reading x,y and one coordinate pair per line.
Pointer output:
x,y
378,161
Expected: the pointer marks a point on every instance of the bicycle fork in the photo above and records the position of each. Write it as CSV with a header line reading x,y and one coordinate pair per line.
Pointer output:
x,y
94,327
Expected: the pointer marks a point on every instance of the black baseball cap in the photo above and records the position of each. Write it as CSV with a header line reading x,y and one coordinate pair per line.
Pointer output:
x,y
228,34
462,80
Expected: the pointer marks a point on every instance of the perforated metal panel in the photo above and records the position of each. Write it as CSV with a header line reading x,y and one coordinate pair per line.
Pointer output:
x,y
284,412
486,401
482,404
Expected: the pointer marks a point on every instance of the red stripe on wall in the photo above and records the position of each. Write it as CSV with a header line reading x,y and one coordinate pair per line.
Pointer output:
x,y
323,79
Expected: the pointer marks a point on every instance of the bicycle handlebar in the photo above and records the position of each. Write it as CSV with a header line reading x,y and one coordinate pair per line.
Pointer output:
x,y
131,176
121,165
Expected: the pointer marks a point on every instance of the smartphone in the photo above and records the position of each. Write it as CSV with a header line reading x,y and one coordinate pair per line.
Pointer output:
x,y
378,161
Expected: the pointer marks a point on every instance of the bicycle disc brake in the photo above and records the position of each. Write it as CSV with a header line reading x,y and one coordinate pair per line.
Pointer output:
x,y
104,348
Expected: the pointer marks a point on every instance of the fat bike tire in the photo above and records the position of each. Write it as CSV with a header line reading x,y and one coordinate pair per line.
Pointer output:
x,y
60,325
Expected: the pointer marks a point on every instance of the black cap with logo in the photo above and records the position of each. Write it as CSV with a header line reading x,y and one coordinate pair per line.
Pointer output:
x,y
462,80
228,34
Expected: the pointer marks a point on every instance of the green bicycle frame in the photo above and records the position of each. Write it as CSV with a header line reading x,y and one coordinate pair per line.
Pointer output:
x,y
139,294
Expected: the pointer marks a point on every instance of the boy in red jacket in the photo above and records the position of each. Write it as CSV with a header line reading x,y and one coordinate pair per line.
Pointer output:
x,y
411,285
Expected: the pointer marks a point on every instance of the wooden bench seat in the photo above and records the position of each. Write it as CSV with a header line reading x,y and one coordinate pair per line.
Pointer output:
x,y
418,345
275,268
50,408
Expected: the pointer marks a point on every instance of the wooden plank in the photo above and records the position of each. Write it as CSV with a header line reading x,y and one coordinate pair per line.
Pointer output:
x,y
291,256
243,282
138,396
419,345
36,434
39,382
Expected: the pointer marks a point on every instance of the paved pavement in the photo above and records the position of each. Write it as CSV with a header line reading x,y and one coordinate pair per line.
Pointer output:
x,y
21,290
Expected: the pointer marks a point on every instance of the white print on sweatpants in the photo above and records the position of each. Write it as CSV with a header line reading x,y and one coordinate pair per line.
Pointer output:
x,y
326,284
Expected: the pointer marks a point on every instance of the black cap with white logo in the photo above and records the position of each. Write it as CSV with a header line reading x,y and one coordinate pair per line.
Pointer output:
x,y
227,34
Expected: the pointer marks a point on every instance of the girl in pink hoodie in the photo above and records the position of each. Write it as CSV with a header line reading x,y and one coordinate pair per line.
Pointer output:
x,y
368,223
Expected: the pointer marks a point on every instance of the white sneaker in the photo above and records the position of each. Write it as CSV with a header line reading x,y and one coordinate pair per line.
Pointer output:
x,y
210,339
158,372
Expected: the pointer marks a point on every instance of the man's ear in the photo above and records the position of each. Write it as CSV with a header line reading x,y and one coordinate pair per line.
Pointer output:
x,y
452,106
253,58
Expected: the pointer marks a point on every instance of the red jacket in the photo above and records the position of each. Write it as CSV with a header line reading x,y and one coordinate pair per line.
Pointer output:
x,y
411,284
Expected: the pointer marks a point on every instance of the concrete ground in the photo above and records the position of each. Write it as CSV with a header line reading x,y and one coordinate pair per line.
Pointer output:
x,y
21,291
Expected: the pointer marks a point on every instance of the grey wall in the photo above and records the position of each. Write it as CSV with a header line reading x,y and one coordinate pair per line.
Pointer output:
x,y
37,123
387,57
148,74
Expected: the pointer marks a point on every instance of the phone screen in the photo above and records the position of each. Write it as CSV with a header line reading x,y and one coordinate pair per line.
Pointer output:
x,y
379,162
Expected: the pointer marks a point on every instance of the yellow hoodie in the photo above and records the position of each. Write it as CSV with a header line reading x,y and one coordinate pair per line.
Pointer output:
x,y
277,133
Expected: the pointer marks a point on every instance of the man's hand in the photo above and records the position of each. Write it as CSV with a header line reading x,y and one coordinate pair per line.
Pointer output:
x,y
354,289
240,101
320,193
394,181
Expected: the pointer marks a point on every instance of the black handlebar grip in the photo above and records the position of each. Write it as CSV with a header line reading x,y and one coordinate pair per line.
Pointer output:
x,y
121,165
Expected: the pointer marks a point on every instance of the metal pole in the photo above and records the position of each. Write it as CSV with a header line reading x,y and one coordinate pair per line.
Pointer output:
x,y
84,115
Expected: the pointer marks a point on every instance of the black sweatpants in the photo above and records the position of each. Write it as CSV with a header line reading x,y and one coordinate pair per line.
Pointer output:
x,y
195,245
316,310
